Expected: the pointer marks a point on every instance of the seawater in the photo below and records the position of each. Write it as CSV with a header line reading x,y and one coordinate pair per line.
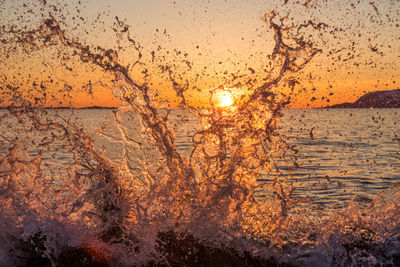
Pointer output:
x,y
345,154
346,176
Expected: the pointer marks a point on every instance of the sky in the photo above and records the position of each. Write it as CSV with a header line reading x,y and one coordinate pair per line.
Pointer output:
x,y
210,44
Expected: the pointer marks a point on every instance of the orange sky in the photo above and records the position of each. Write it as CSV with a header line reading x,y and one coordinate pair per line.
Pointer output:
x,y
220,40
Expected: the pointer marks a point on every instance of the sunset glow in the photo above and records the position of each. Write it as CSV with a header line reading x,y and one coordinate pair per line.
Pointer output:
x,y
225,99
200,133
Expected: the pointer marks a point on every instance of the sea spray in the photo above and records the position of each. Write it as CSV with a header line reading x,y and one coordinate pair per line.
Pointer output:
x,y
127,196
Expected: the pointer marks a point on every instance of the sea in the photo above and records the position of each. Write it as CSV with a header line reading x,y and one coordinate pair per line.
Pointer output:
x,y
344,157
345,154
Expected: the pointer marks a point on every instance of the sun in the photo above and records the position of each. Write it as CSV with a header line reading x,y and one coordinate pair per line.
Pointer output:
x,y
225,99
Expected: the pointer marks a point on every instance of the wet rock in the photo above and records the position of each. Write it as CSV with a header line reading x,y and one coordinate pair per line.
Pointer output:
x,y
31,252
186,250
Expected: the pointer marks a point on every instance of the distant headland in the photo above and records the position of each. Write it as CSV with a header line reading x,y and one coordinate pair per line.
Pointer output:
x,y
62,107
376,99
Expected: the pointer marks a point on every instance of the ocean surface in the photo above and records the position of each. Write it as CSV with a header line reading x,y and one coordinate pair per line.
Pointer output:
x,y
342,181
343,154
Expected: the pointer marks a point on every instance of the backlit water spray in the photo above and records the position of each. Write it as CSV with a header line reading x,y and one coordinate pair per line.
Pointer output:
x,y
126,195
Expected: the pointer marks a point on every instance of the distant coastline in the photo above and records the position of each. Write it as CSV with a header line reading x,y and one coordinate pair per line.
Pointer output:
x,y
376,99
89,107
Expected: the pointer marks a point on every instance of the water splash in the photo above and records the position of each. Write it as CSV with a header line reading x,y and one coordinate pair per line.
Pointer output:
x,y
126,195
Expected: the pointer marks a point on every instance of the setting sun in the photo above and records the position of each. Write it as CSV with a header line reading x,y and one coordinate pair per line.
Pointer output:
x,y
225,99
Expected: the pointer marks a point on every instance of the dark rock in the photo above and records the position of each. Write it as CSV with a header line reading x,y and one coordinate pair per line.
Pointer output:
x,y
31,252
377,99
396,259
179,249
186,250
